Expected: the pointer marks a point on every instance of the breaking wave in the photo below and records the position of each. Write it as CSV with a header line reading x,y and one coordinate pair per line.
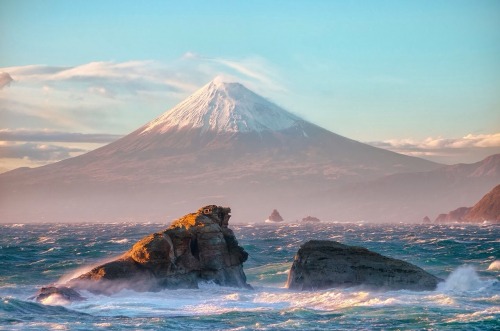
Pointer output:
x,y
463,279
468,299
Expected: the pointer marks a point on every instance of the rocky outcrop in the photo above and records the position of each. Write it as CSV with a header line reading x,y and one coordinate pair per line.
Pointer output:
x,y
62,292
321,264
487,209
275,217
196,247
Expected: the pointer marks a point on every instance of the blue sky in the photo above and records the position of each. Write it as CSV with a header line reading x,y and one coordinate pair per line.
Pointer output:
x,y
420,77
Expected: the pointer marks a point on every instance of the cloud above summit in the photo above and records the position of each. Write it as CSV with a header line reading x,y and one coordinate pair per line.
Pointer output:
x,y
122,95
102,99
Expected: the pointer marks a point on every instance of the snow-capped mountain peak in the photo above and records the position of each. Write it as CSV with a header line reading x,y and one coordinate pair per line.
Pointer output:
x,y
223,107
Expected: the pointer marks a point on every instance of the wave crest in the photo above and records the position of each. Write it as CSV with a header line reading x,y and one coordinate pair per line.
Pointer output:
x,y
463,279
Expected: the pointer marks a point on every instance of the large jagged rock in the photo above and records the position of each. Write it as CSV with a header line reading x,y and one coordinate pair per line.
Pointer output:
x,y
197,246
321,264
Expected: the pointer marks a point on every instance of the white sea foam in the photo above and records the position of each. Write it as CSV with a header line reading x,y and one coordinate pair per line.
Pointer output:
x,y
441,299
51,250
486,314
463,279
55,300
103,325
49,326
119,241
211,299
329,300
44,239
379,302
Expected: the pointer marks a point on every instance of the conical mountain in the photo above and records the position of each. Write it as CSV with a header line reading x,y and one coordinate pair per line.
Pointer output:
x,y
223,108
224,122
222,145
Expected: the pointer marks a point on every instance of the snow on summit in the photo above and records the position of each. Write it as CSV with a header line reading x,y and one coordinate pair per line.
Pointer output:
x,y
223,107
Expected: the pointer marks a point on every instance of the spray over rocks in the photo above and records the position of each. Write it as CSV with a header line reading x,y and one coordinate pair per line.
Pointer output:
x,y
196,247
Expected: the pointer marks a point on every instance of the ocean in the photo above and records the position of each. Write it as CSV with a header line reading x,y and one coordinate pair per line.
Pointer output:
x,y
465,256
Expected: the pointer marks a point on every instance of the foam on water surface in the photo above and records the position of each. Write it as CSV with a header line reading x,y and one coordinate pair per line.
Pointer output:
x,y
468,298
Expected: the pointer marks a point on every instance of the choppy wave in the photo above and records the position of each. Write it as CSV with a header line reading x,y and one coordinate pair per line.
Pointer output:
x,y
468,298
119,241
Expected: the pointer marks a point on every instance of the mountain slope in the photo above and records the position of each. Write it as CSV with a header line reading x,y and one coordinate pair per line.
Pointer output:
x,y
411,196
487,209
222,145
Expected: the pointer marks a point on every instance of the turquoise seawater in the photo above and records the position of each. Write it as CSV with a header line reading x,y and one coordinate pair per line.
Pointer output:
x,y
35,255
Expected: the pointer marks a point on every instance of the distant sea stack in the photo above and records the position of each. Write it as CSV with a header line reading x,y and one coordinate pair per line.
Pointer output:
x,y
275,217
196,247
311,219
487,209
321,264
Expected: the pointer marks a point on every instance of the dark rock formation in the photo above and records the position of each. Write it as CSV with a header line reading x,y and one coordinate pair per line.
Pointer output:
x,y
275,217
321,264
198,246
311,219
63,292
487,209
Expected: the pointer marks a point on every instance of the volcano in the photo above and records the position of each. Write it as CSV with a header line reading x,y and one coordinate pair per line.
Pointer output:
x,y
223,145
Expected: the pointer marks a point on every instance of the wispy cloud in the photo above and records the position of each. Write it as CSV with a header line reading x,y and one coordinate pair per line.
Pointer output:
x,y
430,143
255,69
476,146
116,96
126,77
41,113
37,152
25,135
184,75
